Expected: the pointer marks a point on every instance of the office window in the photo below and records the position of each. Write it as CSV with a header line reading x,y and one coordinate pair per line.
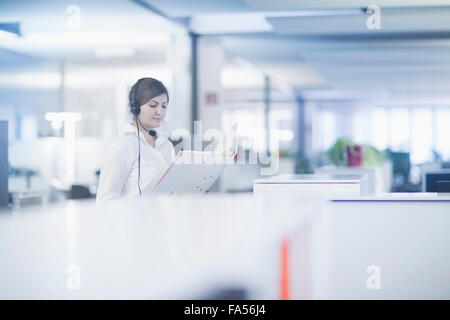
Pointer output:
x,y
380,128
282,120
399,126
422,135
29,127
442,130
362,126
250,123
417,130
327,128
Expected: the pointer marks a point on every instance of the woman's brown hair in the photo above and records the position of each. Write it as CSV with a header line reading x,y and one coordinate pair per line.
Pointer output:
x,y
143,91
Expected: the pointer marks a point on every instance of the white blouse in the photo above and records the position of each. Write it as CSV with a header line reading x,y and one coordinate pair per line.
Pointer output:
x,y
119,172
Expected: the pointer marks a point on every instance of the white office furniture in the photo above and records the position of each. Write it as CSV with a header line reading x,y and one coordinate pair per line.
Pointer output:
x,y
186,246
397,197
321,185
374,247
370,172
239,177
379,178
161,247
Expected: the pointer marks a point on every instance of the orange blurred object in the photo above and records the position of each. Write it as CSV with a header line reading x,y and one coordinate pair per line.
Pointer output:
x,y
285,294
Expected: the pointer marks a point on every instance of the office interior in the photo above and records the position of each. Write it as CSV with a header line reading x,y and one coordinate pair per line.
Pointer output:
x,y
357,94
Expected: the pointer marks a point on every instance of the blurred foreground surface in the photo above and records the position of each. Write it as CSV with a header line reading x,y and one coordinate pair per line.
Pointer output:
x,y
227,247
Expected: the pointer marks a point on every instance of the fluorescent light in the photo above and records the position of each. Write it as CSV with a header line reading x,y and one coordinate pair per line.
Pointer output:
x,y
63,116
44,80
86,77
285,135
313,13
281,114
233,77
52,116
111,76
229,23
115,52
56,125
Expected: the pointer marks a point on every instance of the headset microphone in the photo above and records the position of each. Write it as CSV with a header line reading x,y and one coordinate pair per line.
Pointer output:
x,y
150,132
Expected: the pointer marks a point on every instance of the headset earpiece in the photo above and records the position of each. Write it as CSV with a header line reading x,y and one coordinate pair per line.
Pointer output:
x,y
135,109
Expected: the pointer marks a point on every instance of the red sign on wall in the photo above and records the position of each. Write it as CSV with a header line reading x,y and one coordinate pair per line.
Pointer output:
x,y
211,98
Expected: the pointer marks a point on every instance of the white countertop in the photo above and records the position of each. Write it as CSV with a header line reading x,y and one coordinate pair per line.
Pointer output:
x,y
179,247
161,247
313,179
400,196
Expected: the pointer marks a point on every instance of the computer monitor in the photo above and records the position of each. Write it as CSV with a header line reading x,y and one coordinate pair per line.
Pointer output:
x,y
438,181
401,164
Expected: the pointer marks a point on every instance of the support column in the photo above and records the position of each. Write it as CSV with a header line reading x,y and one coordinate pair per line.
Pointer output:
x,y
194,80
179,115
209,64
267,111
308,111
4,164
301,126
61,92
211,59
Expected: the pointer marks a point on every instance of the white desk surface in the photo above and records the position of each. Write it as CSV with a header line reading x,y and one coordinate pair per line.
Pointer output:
x,y
399,196
161,247
177,247
313,179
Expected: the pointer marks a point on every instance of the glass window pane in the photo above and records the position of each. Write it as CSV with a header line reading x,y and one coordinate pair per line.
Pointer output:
x,y
380,128
399,129
328,129
361,122
422,135
443,132
250,124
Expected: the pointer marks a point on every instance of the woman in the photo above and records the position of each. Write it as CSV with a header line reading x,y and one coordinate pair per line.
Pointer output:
x,y
135,161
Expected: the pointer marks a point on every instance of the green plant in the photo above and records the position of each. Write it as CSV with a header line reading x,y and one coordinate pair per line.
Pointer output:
x,y
372,157
337,153
302,164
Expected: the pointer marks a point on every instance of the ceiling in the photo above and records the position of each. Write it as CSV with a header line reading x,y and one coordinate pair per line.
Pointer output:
x,y
311,45
104,26
327,45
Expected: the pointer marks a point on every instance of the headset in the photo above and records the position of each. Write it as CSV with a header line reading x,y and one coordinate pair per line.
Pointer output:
x,y
135,110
